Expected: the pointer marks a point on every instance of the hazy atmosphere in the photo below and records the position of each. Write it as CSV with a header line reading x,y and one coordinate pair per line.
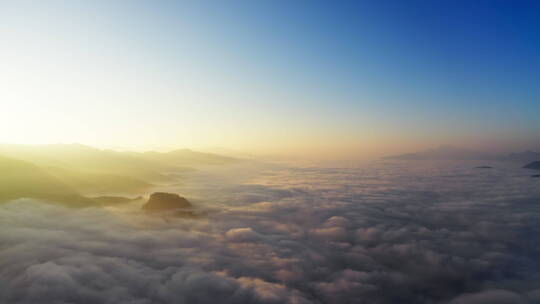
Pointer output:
x,y
265,152
354,79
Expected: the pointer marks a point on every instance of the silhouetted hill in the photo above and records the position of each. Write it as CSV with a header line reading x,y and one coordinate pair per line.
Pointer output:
x,y
90,169
166,201
186,158
68,173
94,182
444,153
82,158
453,153
534,165
20,179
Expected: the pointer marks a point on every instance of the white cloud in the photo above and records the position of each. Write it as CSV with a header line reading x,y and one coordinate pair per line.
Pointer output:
x,y
454,238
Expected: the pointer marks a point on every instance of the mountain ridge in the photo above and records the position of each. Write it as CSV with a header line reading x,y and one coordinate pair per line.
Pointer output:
x,y
73,173
454,153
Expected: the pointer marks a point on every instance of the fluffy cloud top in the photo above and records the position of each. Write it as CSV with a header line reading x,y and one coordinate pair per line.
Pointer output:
x,y
433,234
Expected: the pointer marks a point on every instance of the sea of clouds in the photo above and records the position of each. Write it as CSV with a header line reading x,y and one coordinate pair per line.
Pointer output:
x,y
388,232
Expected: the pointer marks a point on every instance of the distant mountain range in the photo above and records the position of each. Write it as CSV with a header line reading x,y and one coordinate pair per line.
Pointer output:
x,y
75,173
453,153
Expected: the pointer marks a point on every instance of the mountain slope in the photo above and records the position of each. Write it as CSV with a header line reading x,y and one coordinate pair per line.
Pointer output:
x,y
68,173
94,183
81,158
22,179
444,153
148,166
187,158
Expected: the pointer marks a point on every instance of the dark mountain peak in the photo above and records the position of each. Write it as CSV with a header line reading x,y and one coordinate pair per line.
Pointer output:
x,y
535,165
166,201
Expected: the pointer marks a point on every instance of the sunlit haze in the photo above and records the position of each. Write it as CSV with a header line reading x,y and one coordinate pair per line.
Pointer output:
x,y
353,80
269,152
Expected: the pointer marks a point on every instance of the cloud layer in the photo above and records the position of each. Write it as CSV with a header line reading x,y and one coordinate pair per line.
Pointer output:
x,y
387,233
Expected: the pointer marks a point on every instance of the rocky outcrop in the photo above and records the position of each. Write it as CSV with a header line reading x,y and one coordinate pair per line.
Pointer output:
x,y
166,201
534,165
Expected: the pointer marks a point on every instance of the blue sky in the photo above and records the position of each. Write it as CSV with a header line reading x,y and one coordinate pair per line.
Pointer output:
x,y
362,76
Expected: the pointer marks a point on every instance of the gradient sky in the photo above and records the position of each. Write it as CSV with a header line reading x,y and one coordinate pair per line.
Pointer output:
x,y
329,78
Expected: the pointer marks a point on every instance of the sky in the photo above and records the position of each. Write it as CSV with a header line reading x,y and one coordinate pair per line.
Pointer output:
x,y
345,79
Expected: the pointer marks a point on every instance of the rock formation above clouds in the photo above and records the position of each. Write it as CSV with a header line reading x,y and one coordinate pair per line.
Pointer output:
x,y
166,201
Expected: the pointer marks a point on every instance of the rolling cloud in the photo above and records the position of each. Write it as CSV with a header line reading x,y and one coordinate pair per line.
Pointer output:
x,y
383,234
